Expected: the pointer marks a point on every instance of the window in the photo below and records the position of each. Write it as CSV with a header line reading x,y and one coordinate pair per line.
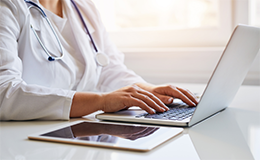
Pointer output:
x,y
160,14
154,35
167,23
254,12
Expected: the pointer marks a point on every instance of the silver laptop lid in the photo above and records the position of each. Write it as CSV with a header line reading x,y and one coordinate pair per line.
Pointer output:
x,y
230,72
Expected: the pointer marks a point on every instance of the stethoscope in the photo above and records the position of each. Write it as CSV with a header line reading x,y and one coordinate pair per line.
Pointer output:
x,y
101,58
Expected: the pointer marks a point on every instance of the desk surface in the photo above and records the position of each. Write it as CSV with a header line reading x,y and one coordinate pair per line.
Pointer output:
x,y
232,134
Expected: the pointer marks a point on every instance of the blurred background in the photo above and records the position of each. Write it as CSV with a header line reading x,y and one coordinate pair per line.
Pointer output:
x,y
175,41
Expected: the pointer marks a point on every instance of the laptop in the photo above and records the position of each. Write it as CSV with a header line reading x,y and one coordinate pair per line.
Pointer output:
x,y
225,81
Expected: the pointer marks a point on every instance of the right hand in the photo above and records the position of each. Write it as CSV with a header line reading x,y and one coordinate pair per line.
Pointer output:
x,y
132,96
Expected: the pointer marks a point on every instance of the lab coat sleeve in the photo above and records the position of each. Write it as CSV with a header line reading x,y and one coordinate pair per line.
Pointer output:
x,y
19,100
116,74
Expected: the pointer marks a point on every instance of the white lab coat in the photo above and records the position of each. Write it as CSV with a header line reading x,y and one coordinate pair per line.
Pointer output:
x,y
31,87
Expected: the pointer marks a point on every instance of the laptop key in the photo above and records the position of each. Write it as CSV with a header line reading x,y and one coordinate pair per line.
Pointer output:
x,y
175,113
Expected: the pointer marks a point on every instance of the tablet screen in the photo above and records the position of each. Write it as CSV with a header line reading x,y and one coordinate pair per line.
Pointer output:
x,y
100,132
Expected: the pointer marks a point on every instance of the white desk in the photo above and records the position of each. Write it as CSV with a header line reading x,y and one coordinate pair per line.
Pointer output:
x,y
232,134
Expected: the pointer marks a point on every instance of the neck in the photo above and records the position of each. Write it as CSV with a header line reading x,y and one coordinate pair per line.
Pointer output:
x,y
54,6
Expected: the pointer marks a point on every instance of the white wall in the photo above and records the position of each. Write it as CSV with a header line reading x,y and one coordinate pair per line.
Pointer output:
x,y
192,65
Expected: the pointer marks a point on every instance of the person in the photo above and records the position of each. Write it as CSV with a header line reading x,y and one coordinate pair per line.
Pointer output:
x,y
34,88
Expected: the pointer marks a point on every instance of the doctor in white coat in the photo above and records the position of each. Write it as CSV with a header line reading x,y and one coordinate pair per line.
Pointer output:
x,y
31,87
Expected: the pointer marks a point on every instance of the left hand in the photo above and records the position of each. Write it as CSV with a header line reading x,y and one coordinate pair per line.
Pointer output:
x,y
167,93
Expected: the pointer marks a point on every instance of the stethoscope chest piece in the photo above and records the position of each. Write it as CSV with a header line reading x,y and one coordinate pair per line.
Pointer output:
x,y
102,59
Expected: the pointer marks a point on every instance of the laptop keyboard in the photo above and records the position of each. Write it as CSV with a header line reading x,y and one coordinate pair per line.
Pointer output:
x,y
177,112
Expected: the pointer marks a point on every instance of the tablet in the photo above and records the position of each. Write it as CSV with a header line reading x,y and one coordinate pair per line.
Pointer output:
x,y
110,135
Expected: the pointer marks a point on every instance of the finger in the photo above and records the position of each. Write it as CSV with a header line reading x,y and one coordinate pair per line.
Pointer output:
x,y
190,95
137,102
178,94
185,99
164,99
154,99
146,99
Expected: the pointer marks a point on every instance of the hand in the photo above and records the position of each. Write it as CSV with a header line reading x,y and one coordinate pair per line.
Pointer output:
x,y
132,96
149,97
168,92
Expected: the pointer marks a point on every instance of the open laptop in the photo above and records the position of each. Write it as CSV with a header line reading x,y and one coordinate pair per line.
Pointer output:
x,y
225,81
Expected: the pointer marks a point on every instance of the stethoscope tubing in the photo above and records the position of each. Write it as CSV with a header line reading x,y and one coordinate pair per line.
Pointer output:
x,y
50,57
85,26
37,6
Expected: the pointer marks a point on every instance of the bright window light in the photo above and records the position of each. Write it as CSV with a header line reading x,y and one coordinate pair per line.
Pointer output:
x,y
254,10
167,23
158,14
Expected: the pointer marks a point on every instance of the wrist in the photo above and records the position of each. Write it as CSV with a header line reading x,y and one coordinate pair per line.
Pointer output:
x,y
102,101
85,103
